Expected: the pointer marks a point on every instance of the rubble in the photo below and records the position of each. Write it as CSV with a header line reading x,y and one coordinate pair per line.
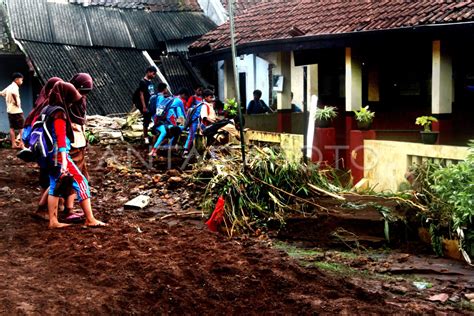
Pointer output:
x,y
109,130
140,202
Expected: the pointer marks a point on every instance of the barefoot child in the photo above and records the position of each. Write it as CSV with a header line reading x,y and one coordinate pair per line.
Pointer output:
x,y
61,102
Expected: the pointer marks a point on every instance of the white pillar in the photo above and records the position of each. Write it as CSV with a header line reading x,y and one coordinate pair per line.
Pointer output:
x,y
283,68
442,80
312,79
353,81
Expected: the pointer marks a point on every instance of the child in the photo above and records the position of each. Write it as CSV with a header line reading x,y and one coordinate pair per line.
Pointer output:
x,y
196,98
15,113
172,124
63,97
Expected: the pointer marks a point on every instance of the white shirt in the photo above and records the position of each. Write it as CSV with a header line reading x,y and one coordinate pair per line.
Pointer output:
x,y
9,93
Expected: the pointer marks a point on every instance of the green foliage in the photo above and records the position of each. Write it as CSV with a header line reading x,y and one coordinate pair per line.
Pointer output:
x,y
426,122
364,116
271,189
231,107
327,113
455,186
91,138
448,191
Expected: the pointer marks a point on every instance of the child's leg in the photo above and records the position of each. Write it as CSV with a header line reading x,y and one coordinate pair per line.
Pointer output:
x,y
161,138
13,138
53,202
81,186
191,135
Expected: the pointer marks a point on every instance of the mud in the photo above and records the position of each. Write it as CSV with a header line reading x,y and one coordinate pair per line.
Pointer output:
x,y
143,265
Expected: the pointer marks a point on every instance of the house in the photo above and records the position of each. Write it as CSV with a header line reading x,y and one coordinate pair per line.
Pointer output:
x,y
113,40
402,58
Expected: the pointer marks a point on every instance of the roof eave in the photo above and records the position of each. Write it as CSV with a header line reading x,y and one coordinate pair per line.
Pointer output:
x,y
331,40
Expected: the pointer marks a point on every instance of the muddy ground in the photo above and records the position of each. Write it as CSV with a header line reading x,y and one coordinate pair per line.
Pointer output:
x,y
162,260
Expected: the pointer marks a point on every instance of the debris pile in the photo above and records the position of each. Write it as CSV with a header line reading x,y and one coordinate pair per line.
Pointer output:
x,y
267,192
111,130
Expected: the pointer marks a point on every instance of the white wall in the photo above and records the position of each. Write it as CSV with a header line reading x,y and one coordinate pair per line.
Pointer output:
x,y
214,10
262,81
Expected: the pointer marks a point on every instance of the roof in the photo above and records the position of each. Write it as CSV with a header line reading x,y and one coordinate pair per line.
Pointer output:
x,y
286,19
116,71
154,5
62,23
241,5
178,72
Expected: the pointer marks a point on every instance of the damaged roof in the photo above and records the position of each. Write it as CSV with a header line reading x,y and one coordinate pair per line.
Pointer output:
x,y
116,71
286,19
178,72
99,25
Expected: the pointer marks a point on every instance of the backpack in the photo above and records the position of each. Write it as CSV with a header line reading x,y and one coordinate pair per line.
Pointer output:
x,y
193,115
40,142
162,107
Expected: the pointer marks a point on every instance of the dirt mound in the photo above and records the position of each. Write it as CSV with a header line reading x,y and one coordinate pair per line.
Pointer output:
x,y
138,266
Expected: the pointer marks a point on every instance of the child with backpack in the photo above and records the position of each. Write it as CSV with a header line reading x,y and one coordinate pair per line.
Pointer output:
x,y
57,118
169,121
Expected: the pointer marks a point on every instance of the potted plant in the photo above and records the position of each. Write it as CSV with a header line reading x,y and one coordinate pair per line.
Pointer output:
x,y
427,135
325,116
364,118
231,108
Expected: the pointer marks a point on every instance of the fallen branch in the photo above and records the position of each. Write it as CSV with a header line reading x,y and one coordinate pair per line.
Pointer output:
x,y
290,194
337,197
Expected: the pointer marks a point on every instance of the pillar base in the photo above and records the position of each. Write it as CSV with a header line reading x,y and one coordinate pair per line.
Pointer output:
x,y
284,121
445,128
324,150
356,151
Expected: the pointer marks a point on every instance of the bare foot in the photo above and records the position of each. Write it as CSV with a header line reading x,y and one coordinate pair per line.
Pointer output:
x,y
58,225
152,153
95,223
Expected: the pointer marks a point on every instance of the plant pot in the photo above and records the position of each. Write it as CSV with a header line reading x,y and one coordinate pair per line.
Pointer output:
x,y
364,126
323,123
429,138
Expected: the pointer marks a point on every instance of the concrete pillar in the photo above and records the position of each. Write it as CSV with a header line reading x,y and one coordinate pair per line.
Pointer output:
x,y
229,84
283,68
442,80
353,81
297,82
312,79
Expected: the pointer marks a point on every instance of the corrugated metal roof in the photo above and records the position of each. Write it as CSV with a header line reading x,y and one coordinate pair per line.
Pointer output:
x,y
178,72
141,29
102,26
155,5
116,72
31,23
107,28
67,26
180,46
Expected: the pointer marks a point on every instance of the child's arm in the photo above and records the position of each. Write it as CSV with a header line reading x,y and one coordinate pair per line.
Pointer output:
x,y
60,130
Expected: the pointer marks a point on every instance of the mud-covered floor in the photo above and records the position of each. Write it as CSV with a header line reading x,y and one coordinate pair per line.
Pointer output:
x,y
143,263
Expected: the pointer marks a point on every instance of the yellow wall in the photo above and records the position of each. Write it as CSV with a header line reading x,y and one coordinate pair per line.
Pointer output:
x,y
386,162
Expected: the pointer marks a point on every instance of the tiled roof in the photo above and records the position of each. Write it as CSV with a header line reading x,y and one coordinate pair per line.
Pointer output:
x,y
276,19
154,5
116,72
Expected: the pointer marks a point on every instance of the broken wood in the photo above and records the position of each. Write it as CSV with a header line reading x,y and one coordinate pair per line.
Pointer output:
x,y
336,196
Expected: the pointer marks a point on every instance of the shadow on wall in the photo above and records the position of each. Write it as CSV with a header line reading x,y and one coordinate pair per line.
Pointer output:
x,y
11,64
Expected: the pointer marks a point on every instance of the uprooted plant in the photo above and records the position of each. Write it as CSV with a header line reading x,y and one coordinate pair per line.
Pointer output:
x,y
449,193
271,189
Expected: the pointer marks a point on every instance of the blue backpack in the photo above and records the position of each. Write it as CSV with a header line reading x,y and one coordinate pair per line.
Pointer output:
x,y
193,115
162,107
39,142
